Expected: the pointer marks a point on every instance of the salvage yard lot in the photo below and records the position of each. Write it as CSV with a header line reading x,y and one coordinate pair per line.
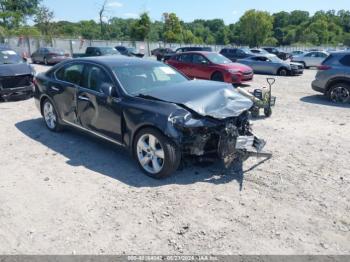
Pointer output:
x,y
69,193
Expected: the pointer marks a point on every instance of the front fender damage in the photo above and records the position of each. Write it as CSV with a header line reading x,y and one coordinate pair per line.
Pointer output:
x,y
210,139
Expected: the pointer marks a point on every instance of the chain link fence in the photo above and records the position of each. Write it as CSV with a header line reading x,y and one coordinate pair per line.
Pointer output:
x,y
27,45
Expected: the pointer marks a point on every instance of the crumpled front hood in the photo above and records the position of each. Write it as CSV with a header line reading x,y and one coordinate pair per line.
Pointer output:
x,y
15,69
207,98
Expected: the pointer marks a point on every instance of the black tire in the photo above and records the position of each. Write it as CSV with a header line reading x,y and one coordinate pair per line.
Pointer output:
x,y
339,93
303,63
282,72
45,61
172,155
217,77
268,112
255,111
57,127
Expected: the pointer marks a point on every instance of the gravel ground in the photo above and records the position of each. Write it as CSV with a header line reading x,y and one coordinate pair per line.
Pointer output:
x,y
68,193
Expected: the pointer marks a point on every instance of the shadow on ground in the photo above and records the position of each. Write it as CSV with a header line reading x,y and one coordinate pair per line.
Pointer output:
x,y
322,100
112,161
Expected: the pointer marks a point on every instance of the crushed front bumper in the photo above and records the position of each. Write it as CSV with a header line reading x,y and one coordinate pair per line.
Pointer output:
x,y
16,92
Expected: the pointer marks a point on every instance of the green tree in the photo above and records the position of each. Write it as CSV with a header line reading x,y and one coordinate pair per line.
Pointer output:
x,y
15,12
141,28
255,27
172,29
43,20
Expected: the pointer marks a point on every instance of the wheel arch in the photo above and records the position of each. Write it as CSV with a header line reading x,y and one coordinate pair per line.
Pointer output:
x,y
335,81
216,72
283,67
144,126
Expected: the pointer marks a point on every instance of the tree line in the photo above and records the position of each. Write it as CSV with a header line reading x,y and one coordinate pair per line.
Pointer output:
x,y
254,28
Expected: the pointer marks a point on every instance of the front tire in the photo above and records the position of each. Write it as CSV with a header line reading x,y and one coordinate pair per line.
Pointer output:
x,y
339,93
217,77
282,72
156,155
50,116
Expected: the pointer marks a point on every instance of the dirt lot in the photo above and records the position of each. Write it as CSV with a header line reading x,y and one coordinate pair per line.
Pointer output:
x,y
69,193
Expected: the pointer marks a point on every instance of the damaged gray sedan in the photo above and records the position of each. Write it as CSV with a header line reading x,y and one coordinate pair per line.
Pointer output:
x,y
155,112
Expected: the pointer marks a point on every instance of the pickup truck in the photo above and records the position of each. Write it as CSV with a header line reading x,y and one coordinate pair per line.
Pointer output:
x,y
98,51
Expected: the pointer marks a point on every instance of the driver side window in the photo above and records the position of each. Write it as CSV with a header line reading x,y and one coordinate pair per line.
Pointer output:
x,y
94,77
199,59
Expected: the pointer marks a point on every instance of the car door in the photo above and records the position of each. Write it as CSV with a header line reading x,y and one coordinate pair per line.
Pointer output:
x,y
98,112
64,90
184,63
258,63
200,67
310,59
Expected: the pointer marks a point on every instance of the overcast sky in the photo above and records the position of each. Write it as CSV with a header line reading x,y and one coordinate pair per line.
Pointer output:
x,y
187,10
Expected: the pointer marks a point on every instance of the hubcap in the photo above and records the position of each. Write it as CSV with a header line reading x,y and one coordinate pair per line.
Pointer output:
x,y
283,72
150,153
49,115
340,94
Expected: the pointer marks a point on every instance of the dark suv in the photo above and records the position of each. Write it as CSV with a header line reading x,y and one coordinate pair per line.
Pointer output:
x,y
280,54
236,53
333,77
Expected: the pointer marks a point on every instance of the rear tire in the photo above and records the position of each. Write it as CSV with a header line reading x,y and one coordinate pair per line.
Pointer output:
x,y
339,93
156,155
50,116
268,112
217,77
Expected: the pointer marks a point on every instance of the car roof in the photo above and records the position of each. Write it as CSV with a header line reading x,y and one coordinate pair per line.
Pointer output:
x,y
117,60
197,52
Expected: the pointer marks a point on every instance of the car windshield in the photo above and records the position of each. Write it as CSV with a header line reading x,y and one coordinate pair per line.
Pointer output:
x,y
218,59
10,57
109,51
140,79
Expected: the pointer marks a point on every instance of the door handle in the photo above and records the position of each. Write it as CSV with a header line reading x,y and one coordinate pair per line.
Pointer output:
x,y
84,98
55,88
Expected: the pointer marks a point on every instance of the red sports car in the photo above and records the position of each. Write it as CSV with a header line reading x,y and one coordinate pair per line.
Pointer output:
x,y
211,66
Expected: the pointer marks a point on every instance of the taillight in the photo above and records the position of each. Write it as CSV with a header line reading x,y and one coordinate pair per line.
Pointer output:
x,y
324,67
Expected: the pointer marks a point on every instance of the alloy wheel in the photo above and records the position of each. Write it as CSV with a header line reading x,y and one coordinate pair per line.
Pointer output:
x,y
49,115
340,94
150,153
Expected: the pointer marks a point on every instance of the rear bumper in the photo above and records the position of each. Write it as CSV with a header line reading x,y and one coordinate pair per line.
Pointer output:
x,y
316,86
56,60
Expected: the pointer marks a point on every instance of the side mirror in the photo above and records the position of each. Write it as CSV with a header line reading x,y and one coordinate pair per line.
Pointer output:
x,y
98,53
204,62
107,89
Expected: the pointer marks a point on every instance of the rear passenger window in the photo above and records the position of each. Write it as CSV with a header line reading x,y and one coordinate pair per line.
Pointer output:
x,y
71,74
185,58
345,60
